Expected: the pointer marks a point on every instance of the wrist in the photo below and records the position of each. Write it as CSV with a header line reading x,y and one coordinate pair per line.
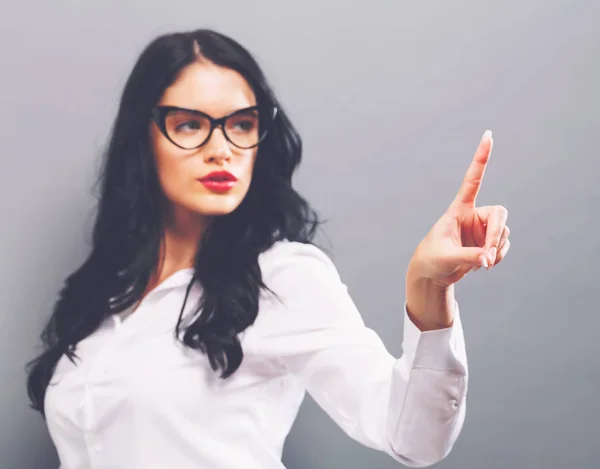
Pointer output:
x,y
429,304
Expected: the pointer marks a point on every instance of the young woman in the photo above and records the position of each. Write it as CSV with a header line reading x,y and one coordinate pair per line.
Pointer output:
x,y
189,336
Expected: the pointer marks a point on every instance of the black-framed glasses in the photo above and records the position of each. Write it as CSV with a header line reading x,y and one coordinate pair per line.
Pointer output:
x,y
190,129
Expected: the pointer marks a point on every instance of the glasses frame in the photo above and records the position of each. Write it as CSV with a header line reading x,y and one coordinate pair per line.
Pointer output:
x,y
159,115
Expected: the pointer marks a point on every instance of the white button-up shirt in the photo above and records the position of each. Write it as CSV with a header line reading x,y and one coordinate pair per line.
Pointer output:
x,y
139,399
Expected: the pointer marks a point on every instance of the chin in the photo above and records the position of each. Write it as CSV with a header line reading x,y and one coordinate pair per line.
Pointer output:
x,y
216,208
208,205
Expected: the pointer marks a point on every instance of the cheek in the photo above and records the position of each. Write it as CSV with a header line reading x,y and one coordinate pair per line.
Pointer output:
x,y
249,161
171,168
246,169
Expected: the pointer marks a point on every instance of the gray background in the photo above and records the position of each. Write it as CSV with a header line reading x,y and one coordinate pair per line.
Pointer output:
x,y
391,98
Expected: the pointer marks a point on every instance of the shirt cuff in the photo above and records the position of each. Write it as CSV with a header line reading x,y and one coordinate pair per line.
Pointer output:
x,y
441,349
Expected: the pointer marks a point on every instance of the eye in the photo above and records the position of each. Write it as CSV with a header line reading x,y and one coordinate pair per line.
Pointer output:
x,y
188,126
244,125
184,122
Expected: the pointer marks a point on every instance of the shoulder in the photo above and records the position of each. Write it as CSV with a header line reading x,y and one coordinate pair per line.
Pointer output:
x,y
296,261
309,293
304,278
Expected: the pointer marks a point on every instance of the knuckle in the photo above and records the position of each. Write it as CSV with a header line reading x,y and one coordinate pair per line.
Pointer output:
x,y
502,211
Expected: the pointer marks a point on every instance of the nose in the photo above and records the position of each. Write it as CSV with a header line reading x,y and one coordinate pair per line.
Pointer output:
x,y
217,148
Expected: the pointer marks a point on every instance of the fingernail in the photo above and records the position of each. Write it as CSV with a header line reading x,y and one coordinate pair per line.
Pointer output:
x,y
493,253
484,262
487,133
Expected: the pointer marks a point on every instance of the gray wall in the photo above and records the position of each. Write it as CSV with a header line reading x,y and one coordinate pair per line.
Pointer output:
x,y
391,98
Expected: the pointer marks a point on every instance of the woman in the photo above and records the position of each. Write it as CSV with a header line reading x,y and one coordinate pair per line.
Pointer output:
x,y
189,336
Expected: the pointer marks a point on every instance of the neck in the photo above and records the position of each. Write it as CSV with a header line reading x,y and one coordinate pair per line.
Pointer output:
x,y
180,241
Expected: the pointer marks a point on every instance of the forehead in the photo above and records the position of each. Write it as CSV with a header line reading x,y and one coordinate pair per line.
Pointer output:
x,y
209,88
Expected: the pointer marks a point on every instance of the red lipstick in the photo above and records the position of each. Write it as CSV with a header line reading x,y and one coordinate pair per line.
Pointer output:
x,y
219,181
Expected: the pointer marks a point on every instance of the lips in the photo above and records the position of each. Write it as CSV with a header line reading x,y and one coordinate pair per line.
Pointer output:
x,y
219,181
219,176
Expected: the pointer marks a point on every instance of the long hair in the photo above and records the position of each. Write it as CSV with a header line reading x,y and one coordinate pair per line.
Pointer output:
x,y
130,222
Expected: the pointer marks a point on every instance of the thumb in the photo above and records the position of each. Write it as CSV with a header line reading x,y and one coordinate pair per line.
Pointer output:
x,y
475,257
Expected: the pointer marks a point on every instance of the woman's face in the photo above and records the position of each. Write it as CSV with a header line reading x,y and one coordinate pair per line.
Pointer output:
x,y
217,92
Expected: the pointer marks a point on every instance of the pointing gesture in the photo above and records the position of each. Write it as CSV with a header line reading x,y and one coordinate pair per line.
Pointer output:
x,y
466,237
472,181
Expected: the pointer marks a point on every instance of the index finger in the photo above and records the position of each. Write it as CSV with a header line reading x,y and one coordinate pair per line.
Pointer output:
x,y
472,181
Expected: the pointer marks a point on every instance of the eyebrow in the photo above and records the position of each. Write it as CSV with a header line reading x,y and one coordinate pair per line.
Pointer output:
x,y
197,111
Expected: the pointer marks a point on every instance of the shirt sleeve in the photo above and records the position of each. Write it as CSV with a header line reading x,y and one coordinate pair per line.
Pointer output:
x,y
412,407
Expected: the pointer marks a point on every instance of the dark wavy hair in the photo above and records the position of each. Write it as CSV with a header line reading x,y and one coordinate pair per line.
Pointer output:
x,y
129,223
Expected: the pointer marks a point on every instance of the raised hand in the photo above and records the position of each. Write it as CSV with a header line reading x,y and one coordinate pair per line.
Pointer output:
x,y
465,238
